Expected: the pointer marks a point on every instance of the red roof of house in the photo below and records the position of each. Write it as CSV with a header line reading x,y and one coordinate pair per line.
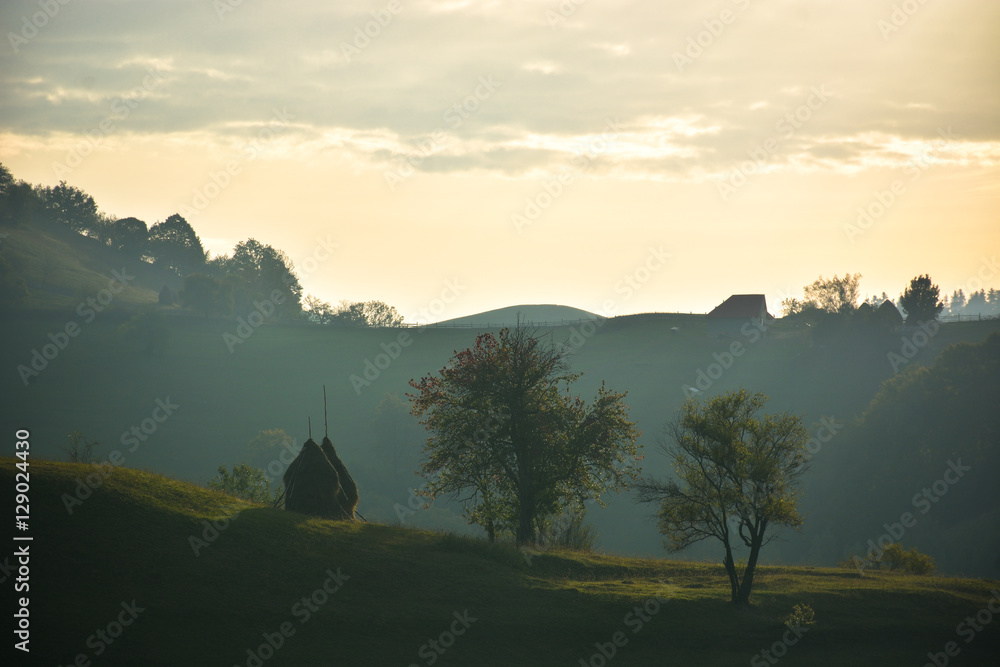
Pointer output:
x,y
741,306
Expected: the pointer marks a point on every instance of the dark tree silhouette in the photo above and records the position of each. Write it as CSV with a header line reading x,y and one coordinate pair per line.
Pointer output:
x,y
69,206
130,236
510,441
920,300
258,270
173,244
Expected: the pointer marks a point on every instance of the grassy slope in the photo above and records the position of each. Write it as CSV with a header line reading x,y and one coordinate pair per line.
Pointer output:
x,y
130,541
61,269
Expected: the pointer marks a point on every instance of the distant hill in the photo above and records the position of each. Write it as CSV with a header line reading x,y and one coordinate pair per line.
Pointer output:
x,y
149,570
532,314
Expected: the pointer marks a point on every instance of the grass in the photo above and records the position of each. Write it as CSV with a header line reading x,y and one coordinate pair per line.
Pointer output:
x,y
132,540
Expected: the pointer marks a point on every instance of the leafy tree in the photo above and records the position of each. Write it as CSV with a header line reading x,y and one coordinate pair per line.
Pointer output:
x,y
69,206
18,200
173,244
835,295
318,312
207,294
736,476
920,300
259,270
245,482
130,236
509,440
370,314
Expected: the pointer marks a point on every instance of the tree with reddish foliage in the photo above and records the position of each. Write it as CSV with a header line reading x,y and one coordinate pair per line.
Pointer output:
x,y
510,441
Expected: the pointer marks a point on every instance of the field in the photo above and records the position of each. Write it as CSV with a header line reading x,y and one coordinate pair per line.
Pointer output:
x,y
140,550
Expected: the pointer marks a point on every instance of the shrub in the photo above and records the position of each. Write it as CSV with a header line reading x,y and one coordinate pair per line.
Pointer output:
x,y
245,482
802,614
895,557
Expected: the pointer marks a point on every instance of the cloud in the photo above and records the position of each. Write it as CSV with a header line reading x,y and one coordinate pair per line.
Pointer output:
x,y
219,78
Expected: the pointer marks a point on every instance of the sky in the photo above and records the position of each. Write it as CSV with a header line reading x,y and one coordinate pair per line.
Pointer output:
x,y
450,156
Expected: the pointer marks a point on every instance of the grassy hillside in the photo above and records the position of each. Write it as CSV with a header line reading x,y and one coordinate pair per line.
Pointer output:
x,y
527,313
103,385
131,540
61,268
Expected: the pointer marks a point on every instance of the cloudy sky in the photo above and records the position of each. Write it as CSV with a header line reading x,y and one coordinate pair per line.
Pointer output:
x,y
619,157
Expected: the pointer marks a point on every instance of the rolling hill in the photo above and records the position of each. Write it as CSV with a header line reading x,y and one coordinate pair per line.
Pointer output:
x,y
153,571
532,314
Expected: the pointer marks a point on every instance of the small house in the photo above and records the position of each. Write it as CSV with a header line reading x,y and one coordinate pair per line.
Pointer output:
x,y
730,317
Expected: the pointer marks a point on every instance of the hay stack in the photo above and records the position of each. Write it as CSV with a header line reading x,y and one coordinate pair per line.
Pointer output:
x,y
312,485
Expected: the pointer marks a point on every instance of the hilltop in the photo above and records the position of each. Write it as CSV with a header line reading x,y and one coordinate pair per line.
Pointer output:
x,y
531,314
204,578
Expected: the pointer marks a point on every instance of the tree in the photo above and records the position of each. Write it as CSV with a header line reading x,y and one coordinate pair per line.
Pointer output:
x,y
836,295
369,314
245,482
173,244
736,476
920,300
318,312
18,200
69,206
259,270
509,440
129,236
957,304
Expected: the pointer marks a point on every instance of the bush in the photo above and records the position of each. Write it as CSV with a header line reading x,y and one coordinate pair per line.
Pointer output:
x,y
802,614
245,482
894,558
